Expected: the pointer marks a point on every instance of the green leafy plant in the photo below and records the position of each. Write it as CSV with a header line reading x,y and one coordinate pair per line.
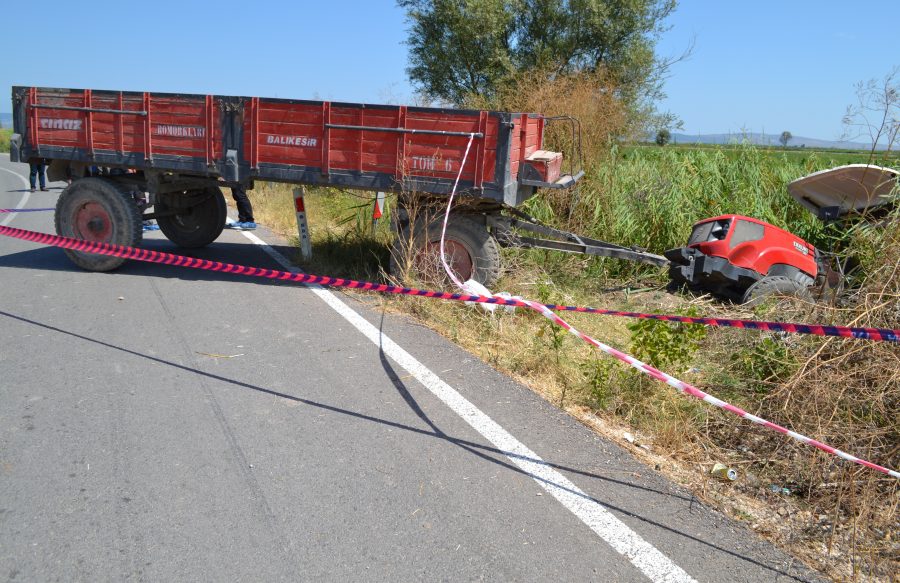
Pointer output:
x,y
666,344
601,376
768,361
4,139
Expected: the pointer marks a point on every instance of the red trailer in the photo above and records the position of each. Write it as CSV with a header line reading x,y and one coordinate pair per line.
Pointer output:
x,y
181,149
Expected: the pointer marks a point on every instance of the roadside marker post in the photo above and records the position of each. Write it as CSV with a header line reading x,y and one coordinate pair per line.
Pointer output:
x,y
377,210
302,226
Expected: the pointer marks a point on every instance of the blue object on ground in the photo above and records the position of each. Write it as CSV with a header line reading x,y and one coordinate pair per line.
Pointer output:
x,y
239,226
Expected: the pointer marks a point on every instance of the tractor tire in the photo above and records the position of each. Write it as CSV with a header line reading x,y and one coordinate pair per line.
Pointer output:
x,y
99,210
197,225
775,285
473,251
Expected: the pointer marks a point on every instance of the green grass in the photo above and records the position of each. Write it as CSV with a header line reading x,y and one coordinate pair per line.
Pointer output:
x,y
5,134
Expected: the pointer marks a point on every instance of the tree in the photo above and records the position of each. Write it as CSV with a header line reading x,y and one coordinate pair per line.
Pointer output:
x,y
461,48
663,137
785,137
876,113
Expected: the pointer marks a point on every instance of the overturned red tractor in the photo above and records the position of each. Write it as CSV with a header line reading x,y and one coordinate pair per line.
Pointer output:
x,y
745,259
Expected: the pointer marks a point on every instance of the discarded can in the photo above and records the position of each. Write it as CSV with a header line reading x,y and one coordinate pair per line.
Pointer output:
x,y
723,472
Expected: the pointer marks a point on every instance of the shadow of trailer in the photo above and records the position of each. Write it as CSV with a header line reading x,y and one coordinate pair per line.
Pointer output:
x,y
125,152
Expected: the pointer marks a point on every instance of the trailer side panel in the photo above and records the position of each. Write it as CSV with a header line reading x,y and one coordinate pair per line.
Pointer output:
x,y
309,142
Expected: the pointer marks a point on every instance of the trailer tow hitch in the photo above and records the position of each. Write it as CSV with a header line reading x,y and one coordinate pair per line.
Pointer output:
x,y
503,228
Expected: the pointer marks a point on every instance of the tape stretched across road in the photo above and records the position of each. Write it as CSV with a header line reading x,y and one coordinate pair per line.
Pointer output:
x,y
205,264
877,334
859,333
25,210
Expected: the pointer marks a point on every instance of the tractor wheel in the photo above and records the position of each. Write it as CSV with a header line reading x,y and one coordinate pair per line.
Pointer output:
x,y
775,285
471,250
96,209
196,224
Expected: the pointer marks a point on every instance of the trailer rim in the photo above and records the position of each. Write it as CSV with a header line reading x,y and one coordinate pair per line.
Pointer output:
x,y
197,225
98,210
458,257
92,222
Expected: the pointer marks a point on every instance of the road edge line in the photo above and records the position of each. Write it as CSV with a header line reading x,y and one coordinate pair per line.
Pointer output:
x,y
25,196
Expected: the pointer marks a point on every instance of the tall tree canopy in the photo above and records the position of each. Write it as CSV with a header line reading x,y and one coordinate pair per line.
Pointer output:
x,y
460,48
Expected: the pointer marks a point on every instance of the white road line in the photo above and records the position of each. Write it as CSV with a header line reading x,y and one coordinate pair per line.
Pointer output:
x,y
24,199
653,563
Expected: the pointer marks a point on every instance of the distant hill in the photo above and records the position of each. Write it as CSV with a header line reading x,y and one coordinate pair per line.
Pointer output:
x,y
760,139
5,120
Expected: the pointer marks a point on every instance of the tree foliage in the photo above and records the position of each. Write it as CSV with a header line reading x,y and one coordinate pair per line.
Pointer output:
x,y
461,48
663,137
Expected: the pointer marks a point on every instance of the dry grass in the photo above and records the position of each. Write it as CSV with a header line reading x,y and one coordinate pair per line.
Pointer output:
x,y
588,98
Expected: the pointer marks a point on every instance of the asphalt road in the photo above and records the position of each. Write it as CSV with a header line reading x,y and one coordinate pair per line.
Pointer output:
x,y
166,424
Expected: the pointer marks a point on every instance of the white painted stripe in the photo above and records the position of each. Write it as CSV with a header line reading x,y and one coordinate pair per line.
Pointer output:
x,y
6,220
653,563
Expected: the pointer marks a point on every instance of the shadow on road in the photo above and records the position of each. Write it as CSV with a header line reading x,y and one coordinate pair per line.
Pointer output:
x,y
54,259
474,448
488,453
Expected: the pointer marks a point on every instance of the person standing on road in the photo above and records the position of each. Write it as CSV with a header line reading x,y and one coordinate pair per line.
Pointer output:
x,y
37,171
245,220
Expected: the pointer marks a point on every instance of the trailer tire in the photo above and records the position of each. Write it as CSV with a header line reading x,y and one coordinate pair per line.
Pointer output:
x,y
96,209
197,225
473,250
775,285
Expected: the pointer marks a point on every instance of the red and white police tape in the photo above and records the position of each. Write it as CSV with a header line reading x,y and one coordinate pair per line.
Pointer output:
x,y
149,256
25,210
859,333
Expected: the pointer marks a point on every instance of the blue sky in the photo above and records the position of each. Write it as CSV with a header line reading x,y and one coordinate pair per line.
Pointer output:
x,y
757,65
777,65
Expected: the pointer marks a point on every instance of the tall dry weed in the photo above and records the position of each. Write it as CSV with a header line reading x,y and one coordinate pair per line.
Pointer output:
x,y
588,97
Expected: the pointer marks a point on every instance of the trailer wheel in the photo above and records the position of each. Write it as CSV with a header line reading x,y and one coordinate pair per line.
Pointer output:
x,y
472,251
196,225
99,210
775,285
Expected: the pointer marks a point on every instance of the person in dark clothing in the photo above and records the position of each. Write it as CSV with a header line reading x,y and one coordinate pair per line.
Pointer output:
x,y
245,221
37,171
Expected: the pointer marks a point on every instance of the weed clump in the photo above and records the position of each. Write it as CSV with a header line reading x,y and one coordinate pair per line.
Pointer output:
x,y
847,393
